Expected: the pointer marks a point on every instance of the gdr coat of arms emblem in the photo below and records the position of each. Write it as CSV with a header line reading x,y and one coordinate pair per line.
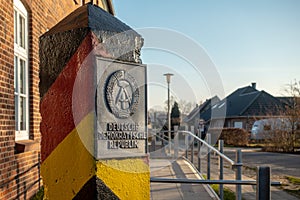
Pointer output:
x,y
122,94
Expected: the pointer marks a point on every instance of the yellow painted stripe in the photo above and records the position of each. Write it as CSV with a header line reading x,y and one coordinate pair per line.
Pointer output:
x,y
127,178
70,165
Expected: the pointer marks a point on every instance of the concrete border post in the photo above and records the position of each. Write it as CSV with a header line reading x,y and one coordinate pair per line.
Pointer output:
x,y
85,69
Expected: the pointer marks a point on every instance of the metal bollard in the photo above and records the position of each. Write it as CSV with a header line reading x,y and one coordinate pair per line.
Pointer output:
x,y
221,165
263,191
238,174
208,156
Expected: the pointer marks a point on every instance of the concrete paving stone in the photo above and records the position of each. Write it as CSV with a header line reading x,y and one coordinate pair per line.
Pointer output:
x,y
177,169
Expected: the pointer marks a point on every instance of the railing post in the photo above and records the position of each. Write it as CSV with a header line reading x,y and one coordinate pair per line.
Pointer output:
x,y
199,151
192,145
39,168
221,192
176,141
238,174
153,142
160,138
263,183
208,156
186,141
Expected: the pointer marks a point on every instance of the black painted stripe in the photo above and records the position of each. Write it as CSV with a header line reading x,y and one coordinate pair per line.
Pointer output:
x,y
55,52
96,189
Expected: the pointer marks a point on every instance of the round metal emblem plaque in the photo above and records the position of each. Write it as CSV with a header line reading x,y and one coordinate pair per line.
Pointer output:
x,y
122,94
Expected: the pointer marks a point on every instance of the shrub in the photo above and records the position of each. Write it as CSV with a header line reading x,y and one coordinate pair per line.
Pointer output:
x,y
39,195
282,141
232,136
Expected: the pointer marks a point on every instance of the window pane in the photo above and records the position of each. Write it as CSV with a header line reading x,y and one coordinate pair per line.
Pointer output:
x,y
21,70
16,28
16,113
22,31
16,74
22,77
22,113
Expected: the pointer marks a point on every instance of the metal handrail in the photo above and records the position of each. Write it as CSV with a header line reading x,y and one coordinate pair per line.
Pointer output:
x,y
263,182
162,138
203,142
212,148
238,164
201,181
204,181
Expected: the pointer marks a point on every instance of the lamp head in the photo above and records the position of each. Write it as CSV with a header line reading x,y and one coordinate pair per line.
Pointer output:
x,y
168,77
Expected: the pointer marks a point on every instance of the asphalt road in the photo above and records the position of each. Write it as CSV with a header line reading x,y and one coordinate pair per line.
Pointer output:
x,y
280,163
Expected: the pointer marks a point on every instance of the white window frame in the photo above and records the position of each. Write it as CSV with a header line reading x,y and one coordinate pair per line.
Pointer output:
x,y
21,53
238,124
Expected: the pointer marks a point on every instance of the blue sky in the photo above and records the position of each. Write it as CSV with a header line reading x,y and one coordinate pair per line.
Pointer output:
x,y
248,41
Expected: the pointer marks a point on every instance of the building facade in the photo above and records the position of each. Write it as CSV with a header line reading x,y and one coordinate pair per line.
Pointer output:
x,y
22,23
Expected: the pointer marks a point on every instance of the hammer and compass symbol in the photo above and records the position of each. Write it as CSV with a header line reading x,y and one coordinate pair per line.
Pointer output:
x,y
123,98
122,94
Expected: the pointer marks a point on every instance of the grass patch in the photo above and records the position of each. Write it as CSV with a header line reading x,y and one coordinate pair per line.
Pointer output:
x,y
293,180
39,195
255,145
250,168
293,192
228,194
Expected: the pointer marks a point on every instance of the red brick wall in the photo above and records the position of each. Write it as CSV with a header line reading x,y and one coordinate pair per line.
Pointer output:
x,y
20,177
19,173
7,124
247,121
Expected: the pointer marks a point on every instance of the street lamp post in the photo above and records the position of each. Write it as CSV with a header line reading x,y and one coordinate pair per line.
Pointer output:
x,y
168,77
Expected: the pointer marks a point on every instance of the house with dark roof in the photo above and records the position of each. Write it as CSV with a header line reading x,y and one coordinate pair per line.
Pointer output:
x,y
242,108
195,115
247,104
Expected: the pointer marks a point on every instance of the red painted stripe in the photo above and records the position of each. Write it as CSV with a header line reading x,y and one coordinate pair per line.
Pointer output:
x,y
56,105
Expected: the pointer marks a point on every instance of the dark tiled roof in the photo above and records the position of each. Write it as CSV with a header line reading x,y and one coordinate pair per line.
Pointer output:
x,y
246,101
192,114
265,104
202,108
238,101
206,113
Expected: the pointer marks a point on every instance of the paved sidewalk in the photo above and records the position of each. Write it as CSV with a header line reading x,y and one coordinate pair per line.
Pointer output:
x,y
180,168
